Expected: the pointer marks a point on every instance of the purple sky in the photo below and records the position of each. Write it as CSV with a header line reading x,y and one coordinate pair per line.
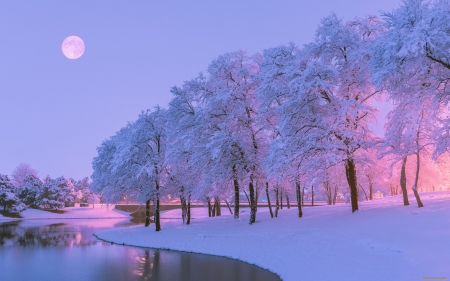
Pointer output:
x,y
54,112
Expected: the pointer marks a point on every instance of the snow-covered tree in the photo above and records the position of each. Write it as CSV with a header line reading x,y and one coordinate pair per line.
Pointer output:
x,y
29,190
131,162
233,142
55,194
327,107
21,172
412,63
9,201
83,190
184,178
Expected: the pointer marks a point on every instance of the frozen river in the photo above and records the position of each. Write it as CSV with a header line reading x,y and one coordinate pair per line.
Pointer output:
x,y
67,250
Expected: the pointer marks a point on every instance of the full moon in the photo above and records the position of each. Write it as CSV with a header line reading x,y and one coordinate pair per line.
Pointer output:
x,y
73,47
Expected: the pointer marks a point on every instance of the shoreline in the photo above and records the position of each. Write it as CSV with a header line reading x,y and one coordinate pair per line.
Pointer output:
x,y
383,241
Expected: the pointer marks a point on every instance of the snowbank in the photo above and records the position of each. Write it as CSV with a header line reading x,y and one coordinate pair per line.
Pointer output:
x,y
71,213
383,241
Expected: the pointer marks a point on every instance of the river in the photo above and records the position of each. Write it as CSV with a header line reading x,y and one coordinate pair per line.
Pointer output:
x,y
67,250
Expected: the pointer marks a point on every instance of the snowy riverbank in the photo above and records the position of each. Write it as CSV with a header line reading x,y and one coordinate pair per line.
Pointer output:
x,y
99,212
383,241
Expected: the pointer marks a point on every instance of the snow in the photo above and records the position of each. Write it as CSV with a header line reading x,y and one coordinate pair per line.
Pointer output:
x,y
383,241
99,212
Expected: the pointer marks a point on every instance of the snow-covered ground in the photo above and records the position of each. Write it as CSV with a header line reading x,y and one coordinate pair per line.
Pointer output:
x,y
383,241
99,212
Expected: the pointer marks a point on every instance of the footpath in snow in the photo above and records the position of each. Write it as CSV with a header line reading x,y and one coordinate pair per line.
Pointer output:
x,y
383,241
99,212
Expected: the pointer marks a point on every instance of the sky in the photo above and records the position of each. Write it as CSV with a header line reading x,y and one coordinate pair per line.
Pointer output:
x,y
54,112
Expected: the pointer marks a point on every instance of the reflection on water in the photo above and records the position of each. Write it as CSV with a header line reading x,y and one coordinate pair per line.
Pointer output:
x,y
69,251
52,235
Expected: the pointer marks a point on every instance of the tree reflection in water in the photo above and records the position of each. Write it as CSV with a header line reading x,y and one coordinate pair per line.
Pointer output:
x,y
75,254
52,235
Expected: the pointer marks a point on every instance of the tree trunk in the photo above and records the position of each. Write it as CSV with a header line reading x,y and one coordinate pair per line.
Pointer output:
x,y
147,213
414,187
281,198
328,192
217,205
370,187
248,199
299,199
303,196
236,194
183,209
312,195
228,205
268,200
350,172
335,194
365,194
403,182
277,202
256,199
209,207
252,202
157,216
188,221
287,201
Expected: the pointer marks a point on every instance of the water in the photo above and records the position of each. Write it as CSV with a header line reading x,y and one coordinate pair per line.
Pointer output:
x,y
67,250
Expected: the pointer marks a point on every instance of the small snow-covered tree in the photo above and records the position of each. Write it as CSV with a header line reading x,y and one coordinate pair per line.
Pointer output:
x,y
21,173
83,190
29,190
9,201
55,194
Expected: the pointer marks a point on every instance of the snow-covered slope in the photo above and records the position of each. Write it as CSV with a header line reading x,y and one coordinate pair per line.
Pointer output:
x,y
383,241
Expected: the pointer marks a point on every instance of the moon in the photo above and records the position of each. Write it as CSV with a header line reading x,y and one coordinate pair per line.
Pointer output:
x,y
73,47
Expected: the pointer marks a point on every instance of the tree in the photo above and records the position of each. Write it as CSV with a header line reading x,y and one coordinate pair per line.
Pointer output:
x,y
131,163
55,194
83,190
231,142
412,63
9,201
21,173
326,108
29,190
